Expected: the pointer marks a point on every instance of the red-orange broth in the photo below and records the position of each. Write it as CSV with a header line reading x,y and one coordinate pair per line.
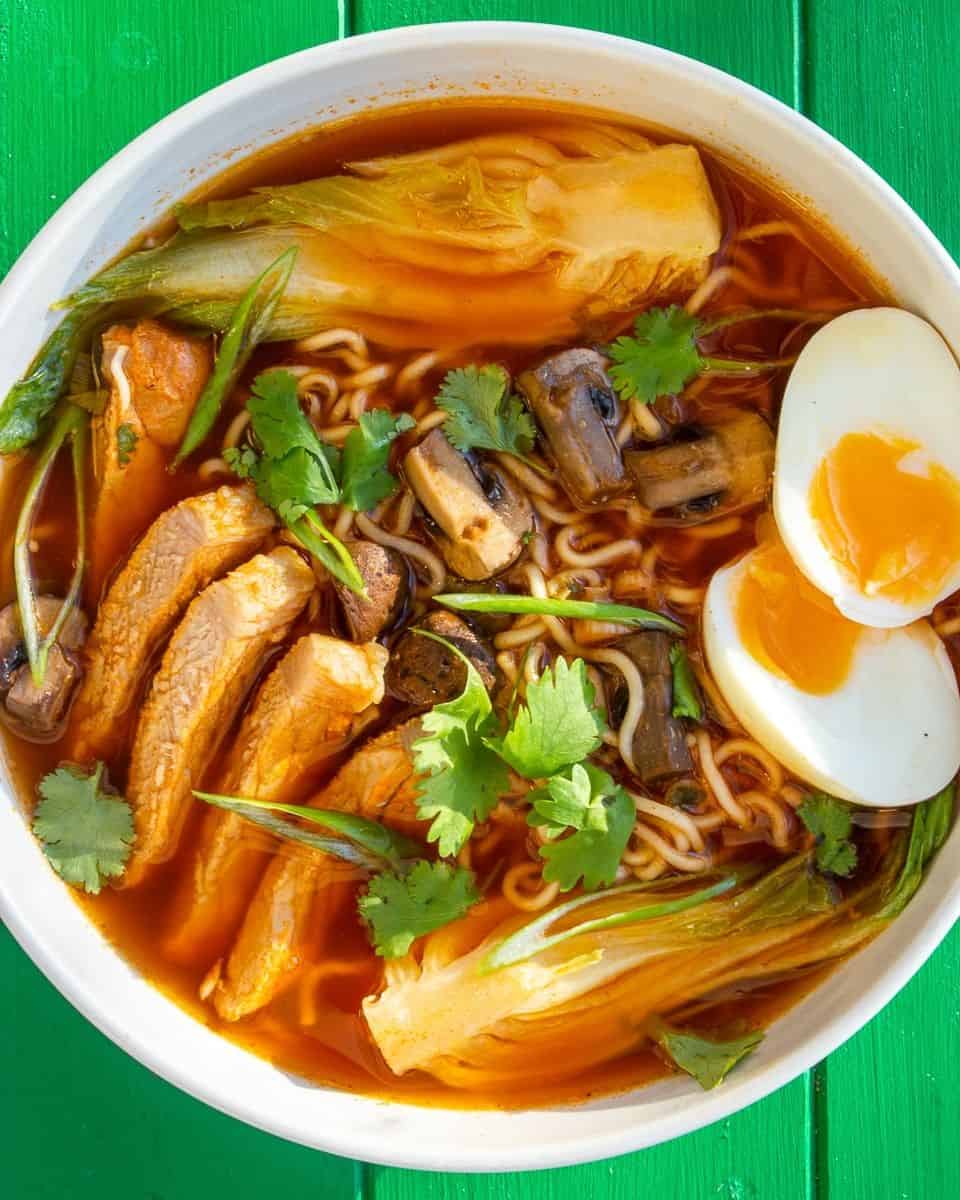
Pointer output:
x,y
336,1049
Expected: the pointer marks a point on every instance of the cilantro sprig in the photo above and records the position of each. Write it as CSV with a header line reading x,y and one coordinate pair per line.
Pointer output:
x,y
663,355
831,822
400,908
599,815
461,776
462,761
366,480
557,725
293,470
86,832
708,1061
482,412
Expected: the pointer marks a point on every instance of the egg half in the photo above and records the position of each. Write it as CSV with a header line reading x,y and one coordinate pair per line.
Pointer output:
x,y
868,715
867,478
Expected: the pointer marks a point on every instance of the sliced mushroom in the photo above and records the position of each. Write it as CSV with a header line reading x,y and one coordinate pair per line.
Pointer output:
x,y
386,577
732,461
39,710
424,672
576,408
660,748
479,515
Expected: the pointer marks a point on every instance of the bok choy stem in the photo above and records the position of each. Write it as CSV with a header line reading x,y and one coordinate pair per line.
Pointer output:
x,y
72,423
532,938
248,327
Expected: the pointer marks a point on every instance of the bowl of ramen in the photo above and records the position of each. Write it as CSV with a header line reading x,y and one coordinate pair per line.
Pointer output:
x,y
479,585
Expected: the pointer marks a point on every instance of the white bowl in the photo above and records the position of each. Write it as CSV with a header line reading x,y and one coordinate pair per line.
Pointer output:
x,y
131,191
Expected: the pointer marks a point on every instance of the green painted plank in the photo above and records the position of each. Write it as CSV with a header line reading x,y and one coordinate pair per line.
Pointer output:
x,y
750,38
888,1098
883,77
83,1121
764,1152
79,80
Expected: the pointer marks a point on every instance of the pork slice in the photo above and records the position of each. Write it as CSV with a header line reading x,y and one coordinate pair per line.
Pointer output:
x,y
207,669
305,711
154,377
378,783
183,550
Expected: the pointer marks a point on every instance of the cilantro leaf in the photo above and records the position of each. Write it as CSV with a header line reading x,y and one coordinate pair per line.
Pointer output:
x,y
294,471
707,1061
278,421
830,822
661,357
399,908
366,480
592,854
686,693
482,413
126,443
292,484
557,726
575,801
461,778
85,832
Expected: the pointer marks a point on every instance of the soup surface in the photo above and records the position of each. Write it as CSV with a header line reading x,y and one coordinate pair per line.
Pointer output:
x,y
284,963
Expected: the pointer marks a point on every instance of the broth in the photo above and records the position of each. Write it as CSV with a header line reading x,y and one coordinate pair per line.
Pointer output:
x,y
316,1031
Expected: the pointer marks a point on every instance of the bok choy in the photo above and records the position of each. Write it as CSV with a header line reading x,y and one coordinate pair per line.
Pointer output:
x,y
548,233
566,994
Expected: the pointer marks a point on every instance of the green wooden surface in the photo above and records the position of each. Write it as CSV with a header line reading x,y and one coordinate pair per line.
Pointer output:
x,y
78,1119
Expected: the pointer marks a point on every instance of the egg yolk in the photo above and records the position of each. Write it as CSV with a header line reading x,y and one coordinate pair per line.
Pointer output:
x,y
790,627
888,516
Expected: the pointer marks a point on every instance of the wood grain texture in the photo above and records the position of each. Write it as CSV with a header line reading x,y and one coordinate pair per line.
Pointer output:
x,y
78,79
883,77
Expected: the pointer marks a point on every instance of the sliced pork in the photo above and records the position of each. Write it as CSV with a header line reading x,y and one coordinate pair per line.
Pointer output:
x,y
305,711
183,550
206,672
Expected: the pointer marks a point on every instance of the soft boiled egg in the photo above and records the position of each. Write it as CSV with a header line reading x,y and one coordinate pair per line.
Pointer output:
x,y
868,715
867,479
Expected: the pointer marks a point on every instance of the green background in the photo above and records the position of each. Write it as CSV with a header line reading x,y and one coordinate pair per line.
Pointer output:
x,y
81,1121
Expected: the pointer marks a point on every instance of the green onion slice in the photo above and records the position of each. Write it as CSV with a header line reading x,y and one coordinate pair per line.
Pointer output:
x,y
553,607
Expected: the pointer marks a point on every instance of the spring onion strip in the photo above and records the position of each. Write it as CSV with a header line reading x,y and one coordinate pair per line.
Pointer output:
x,y
72,423
532,938
707,327
331,552
248,327
554,607
366,838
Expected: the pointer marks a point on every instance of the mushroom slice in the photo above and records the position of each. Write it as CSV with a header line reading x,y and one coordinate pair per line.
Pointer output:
x,y
207,669
305,711
294,895
386,576
732,461
183,550
576,408
38,711
479,514
424,672
660,748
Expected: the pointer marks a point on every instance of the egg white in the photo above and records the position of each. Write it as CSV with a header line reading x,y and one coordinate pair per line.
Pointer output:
x,y
888,735
875,370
